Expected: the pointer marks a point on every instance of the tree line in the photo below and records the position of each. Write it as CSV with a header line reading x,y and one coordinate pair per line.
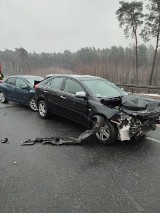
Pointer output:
x,y
116,64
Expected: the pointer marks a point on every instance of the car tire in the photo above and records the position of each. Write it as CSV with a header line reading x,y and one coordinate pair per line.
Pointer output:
x,y
32,104
108,133
3,97
42,109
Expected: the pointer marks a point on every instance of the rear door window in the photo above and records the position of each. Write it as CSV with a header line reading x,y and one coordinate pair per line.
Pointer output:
x,y
11,81
56,83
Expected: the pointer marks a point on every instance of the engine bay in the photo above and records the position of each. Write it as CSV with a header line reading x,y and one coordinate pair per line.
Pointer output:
x,y
136,116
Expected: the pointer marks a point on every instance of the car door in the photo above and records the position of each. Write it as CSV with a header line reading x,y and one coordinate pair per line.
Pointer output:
x,y
52,92
77,107
21,90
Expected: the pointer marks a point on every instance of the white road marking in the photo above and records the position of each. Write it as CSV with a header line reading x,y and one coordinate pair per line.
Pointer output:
x,y
152,139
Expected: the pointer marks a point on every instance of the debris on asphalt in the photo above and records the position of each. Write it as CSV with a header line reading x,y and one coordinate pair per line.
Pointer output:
x,y
5,140
71,141
51,140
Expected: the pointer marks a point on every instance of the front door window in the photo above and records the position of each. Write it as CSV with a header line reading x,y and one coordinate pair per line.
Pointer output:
x,y
20,83
72,86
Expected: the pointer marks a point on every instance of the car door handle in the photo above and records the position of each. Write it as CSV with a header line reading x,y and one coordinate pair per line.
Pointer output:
x,y
63,97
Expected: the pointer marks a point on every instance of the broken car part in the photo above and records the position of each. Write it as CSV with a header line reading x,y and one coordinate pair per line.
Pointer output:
x,y
5,140
58,141
52,140
137,117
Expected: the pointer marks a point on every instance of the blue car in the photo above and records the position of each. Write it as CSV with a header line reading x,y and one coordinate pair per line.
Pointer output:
x,y
19,89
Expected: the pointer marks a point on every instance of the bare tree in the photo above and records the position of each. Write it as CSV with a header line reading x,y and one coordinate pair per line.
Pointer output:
x,y
130,16
152,28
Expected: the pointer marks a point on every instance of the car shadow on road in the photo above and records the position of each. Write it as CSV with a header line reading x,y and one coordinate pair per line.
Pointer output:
x,y
65,122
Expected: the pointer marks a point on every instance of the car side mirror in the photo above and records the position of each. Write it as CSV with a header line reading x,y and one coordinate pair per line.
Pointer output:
x,y
81,94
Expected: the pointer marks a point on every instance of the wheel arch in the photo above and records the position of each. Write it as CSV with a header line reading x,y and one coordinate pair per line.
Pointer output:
x,y
30,97
93,118
40,99
113,130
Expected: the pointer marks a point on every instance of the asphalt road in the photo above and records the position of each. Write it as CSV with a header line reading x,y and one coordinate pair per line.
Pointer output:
x,y
91,177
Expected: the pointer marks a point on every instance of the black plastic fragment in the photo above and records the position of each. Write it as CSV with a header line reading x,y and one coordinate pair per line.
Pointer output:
x,y
71,141
51,140
5,140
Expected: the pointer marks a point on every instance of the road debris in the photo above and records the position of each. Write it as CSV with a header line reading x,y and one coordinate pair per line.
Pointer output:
x,y
5,140
51,140
70,141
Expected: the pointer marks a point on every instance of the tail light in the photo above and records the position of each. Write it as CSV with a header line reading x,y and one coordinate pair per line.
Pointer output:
x,y
36,86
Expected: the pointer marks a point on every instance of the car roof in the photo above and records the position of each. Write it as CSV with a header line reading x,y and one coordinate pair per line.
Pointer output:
x,y
79,77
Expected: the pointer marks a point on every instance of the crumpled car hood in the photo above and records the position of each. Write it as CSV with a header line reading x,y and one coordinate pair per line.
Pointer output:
x,y
138,104
132,104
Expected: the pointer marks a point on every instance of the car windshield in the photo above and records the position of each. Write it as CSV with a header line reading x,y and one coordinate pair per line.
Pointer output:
x,y
102,88
32,79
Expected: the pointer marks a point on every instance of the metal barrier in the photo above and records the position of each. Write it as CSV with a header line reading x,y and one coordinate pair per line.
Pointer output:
x,y
139,88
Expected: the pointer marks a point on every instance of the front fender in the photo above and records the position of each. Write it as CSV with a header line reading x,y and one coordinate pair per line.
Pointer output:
x,y
99,109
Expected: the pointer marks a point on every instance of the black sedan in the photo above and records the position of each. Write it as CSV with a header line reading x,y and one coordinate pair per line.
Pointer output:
x,y
83,98
19,89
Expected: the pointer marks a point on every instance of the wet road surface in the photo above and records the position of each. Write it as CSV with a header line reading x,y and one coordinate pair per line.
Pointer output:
x,y
91,177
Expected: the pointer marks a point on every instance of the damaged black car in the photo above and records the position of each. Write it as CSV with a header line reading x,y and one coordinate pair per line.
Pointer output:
x,y
83,98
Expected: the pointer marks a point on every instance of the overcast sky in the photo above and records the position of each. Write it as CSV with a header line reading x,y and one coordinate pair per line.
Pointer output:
x,y
58,25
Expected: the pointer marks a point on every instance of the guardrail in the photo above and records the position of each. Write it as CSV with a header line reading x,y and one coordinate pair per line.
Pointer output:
x,y
139,88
